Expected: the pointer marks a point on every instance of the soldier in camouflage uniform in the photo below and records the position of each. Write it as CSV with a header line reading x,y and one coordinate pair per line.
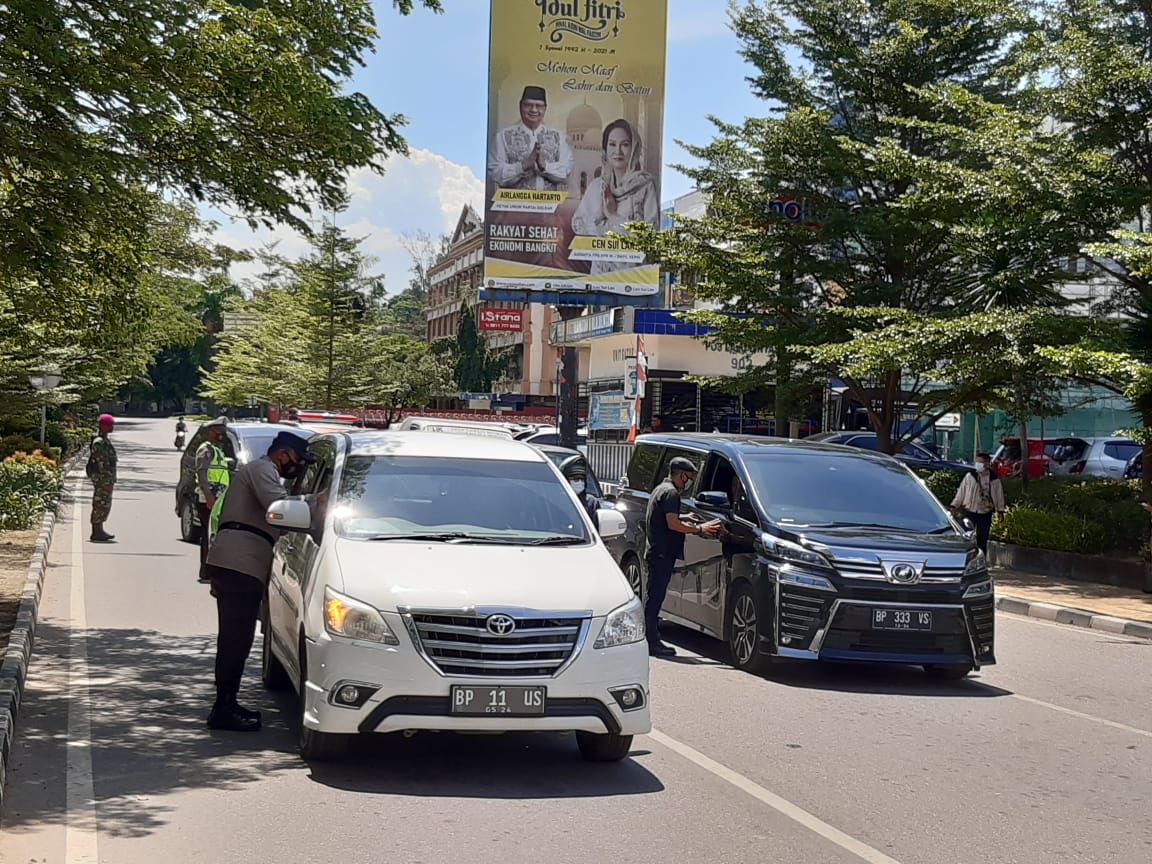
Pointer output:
x,y
102,473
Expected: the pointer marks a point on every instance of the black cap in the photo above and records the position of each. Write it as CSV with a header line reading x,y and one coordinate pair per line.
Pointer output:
x,y
574,466
534,94
681,464
288,441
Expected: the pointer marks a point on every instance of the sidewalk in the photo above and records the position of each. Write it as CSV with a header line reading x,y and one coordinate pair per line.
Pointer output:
x,y
1106,606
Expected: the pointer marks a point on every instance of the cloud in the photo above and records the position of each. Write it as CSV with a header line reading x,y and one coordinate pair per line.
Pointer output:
x,y
421,192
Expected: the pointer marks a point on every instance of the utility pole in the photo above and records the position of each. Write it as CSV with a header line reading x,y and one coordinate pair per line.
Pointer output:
x,y
570,384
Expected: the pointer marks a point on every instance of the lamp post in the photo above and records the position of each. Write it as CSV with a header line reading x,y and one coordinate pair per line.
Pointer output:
x,y
44,380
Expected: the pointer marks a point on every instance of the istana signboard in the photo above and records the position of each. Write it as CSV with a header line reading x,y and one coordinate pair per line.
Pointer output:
x,y
503,320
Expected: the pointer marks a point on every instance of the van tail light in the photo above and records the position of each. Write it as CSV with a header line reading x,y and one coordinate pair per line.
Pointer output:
x,y
1078,468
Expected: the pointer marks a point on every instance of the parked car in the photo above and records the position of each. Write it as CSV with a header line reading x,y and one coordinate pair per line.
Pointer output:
x,y
1134,470
450,584
1007,458
1093,457
911,454
550,435
827,552
459,427
245,441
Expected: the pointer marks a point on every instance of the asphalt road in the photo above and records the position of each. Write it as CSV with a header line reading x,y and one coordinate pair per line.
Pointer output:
x,y
1044,758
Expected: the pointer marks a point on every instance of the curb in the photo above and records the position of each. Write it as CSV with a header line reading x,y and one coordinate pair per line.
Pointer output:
x,y
1075,617
18,654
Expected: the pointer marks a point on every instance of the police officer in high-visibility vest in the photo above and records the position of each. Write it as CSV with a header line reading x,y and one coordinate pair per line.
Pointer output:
x,y
212,478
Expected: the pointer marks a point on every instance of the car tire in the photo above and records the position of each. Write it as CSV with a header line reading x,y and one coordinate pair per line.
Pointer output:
x,y
743,631
189,530
316,746
603,748
950,672
272,671
634,573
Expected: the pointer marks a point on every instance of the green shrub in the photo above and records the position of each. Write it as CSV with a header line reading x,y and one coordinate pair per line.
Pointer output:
x,y
76,440
1047,529
943,484
1113,505
29,485
13,444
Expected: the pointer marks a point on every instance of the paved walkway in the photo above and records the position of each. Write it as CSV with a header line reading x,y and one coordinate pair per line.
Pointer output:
x,y
1101,599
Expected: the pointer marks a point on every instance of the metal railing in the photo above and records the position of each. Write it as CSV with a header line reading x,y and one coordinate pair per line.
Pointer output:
x,y
609,461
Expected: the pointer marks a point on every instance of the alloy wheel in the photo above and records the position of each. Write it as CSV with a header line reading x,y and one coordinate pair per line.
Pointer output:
x,y
744,629
635,577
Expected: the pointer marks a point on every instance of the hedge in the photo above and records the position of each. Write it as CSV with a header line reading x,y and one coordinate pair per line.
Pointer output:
x,y
29,484
1064,513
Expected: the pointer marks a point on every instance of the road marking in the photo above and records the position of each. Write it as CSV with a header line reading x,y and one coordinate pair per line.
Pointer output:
x,y
81,844
1123,727
786,808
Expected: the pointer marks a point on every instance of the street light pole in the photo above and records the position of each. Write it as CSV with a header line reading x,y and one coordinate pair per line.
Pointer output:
x,y
42,381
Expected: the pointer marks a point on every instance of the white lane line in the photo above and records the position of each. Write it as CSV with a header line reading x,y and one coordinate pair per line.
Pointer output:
x,y
786,808
81,844
1123,727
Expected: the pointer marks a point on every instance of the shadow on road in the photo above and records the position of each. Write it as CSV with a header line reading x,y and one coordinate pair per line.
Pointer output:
x,y
447,765
878,678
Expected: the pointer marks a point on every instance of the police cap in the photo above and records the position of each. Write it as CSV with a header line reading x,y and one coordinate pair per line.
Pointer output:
x,y
288,441
680,465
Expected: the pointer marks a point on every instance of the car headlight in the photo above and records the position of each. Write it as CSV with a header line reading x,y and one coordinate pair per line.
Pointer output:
x,y
794,553
353,619
979,590
623,626
977,563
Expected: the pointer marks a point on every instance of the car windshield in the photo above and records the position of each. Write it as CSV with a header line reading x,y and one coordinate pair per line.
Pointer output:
x,y
384,497
256,444
834,490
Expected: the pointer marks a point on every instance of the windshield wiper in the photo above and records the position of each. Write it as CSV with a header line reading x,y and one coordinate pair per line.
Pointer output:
x,y
558,540
875,525
446,537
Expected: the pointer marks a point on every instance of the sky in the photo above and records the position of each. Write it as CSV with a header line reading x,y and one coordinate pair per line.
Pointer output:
x,y
434,70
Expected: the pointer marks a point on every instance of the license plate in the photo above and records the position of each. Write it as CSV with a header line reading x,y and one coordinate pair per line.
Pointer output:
x,y
488,700
901,619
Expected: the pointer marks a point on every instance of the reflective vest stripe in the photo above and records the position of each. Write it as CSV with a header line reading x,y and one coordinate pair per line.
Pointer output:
x,y
218,474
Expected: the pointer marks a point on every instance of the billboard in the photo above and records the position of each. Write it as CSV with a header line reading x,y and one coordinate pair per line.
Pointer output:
x,y
575,128
501,320
609,411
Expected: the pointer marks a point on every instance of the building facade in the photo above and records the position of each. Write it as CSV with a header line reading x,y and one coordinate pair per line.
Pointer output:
x,y
455,281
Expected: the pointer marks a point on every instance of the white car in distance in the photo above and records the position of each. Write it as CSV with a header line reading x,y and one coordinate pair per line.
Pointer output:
x,y
450,583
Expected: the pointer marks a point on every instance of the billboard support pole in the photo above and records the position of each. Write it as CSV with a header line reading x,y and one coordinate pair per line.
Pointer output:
x,y
570,385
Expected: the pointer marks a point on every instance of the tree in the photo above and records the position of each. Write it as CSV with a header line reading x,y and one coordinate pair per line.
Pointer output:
x,y
474,366
232,103
876,185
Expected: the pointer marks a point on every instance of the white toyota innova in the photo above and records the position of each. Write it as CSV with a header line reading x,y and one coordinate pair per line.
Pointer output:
x,y
450,583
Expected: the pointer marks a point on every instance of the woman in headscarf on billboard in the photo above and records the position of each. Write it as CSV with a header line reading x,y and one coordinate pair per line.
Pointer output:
x,y
624,192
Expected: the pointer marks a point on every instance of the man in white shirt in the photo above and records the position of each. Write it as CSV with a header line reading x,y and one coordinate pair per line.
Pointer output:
x,y
531,155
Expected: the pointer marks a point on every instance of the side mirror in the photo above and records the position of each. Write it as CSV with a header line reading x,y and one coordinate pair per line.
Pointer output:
x,y
969,525
713,501
612,524
290,514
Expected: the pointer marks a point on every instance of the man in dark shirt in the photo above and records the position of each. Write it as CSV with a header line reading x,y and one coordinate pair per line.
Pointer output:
x,y
666,532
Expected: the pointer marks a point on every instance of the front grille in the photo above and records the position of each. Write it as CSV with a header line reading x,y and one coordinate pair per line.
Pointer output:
x,y
892,594
462,645
801,612
852,631
874,572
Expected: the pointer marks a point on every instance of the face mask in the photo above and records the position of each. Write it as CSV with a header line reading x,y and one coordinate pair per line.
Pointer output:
x,y
290,470
578,487
981,466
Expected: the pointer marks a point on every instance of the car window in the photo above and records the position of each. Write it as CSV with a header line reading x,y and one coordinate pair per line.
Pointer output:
x,y
642,467
720,476
670,453
480,499
829,490
917,452
1124,450
545,438
865,442
559,457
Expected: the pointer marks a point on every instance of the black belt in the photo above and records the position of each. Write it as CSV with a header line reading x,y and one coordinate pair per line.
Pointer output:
x,y
251,529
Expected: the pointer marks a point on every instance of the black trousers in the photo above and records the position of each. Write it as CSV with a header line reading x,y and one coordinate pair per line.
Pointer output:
x,y
660,569
204,513
238,598
983,523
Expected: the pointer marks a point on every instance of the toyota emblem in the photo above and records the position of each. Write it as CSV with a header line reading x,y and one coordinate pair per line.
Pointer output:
x,y
904,574
500,625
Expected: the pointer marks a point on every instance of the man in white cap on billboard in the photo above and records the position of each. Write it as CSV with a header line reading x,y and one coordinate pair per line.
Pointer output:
x,y
531,155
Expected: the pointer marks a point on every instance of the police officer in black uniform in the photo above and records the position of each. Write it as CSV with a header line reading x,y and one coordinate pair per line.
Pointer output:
x,y
666,532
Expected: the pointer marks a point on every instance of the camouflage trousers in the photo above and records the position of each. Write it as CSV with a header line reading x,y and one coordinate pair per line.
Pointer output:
x,y
101,505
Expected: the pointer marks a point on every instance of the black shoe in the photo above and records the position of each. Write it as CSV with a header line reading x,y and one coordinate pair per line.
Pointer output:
x,y
228,718
659,649
250,713
204,580
101,537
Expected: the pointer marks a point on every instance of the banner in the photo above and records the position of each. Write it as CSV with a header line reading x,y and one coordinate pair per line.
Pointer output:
x,y
575,128
609,411
502,320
